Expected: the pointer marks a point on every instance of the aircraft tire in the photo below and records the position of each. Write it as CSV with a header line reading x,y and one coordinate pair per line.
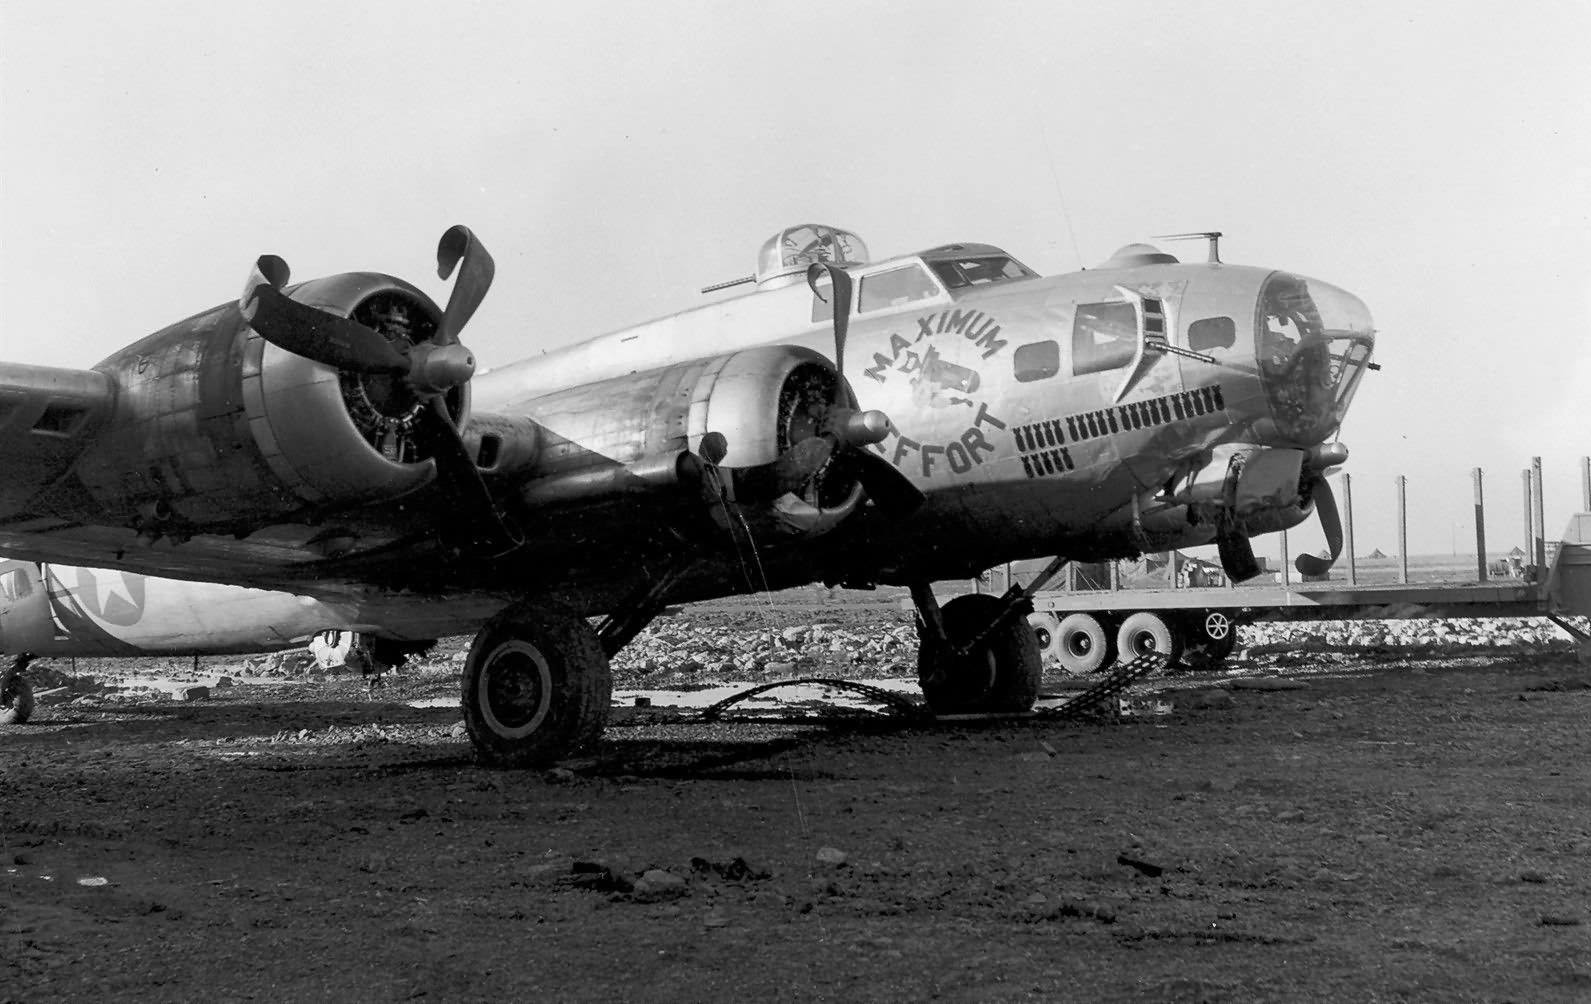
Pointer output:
x,y
1144,632
16,704
536,686
1085,644
1002,676
1209,637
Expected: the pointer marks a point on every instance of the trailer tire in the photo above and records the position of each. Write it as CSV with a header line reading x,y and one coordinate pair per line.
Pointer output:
x,y
1145,632
1084,644
1045,625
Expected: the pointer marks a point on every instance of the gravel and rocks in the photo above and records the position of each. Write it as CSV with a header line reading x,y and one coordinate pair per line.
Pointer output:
x,y
1413,825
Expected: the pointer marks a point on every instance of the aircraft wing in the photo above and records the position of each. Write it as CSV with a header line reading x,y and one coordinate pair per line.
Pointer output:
x,y
47,416
319,438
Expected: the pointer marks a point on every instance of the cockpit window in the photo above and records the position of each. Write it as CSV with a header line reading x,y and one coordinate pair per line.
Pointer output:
x,y
959,273
1104,336
895,287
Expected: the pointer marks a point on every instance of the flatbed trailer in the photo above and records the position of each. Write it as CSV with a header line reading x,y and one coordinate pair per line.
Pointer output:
x,y
1318,600
1086,630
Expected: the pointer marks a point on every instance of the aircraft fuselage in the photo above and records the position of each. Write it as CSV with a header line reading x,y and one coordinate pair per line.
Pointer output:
x,y
1026,409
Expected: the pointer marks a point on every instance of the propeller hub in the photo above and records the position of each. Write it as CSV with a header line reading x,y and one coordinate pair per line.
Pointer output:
x,y
861,428
1326,456
436,368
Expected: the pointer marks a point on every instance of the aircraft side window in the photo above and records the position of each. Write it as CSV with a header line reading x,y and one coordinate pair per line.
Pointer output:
x,y
895,287
1036,361
1212,333
1104,336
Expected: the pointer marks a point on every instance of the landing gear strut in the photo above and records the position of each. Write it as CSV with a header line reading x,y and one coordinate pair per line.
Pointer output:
x,y
536,686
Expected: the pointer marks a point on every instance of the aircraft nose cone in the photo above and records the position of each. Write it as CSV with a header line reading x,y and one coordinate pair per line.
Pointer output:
x,y
1315,342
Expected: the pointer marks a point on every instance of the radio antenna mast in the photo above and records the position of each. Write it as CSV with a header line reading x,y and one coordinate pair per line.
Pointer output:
x,y
1213,236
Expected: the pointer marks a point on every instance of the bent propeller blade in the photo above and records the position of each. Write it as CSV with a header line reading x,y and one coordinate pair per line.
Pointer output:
x,y
840,289
309,331
1237,555
889,489
1331,525
475,526
458,244
801,463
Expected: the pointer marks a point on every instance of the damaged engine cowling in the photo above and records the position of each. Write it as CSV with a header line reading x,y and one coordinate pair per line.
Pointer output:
x,y
645,431
213,427
1258,489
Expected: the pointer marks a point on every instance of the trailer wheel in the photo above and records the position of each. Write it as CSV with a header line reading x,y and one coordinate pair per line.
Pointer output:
x,y
1210,637
1045,627
1084,645
1145,632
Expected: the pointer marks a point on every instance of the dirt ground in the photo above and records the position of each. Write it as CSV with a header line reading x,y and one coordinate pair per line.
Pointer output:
x,y
1401,828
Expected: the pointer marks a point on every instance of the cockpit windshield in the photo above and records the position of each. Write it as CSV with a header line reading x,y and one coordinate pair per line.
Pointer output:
x,y
958,273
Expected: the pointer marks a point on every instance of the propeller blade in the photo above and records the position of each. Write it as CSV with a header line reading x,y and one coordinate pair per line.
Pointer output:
x,y
1331,523
889,489
801,463
474,525
840,289
1237,554
788,473
309,331
474,279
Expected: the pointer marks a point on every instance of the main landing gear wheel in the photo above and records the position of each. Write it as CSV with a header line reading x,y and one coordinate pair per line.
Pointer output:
x,y
1210,637
536,687
1001,675
1144,632
1085,644
16,702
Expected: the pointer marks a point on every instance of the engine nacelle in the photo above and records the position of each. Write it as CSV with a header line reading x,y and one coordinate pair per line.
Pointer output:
x,y
211,426
629,433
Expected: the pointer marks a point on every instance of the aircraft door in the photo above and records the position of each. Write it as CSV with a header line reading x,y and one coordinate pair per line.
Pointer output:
x,y
25,624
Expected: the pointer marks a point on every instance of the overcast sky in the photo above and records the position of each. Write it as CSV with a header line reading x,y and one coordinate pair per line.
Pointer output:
x,y
1433,158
